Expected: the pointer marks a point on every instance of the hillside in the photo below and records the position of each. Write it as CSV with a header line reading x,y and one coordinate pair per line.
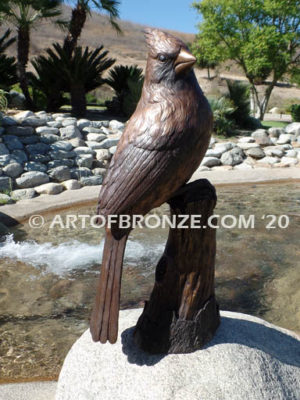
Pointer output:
x,y
129,48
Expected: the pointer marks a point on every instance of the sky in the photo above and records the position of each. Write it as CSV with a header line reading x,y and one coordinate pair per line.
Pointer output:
x,y
177,15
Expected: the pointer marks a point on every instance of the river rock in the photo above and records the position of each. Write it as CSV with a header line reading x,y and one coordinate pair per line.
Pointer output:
x,y
49,188
71,184
107,143
255,152
288,161
35,166
233,157
41,158
13,170
94,145
42,130
77,173
76,142
3,150
22,194
83,150
112,150
5,160
275,132
92,129
99,171
8,121
20,130
69,121
210,162
261,137
247,146
223,147
276,151
60,174
12,142
246,139
293,128
244,165
19,156
84,160
33,122
38,148
214,153
269,160
61,154
5,183
91,180
291,153
29,139
24,114
67,162
49,138
116,125
102,154
83,123
99,124
54,124
70,132
32,179
62,145
248,358
284,138
95,137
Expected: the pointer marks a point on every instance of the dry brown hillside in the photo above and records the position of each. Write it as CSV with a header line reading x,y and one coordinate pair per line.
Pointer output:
x,y
129,48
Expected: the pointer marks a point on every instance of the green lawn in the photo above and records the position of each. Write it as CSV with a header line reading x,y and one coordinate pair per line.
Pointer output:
x,y
274,124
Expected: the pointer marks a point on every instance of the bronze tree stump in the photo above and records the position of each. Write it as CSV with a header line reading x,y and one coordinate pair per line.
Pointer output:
x,y
182,314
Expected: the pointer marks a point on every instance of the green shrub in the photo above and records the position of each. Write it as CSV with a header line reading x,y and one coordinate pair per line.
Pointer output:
x,y
295,112
56,73
3,100
222,109
127,82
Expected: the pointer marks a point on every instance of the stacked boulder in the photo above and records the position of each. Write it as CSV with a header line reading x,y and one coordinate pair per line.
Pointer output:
x,y
45,154
275,147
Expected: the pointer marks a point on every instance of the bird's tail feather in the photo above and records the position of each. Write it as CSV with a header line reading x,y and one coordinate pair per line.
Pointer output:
x,y
105,315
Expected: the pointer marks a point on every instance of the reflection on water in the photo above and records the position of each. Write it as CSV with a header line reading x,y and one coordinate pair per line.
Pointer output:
x,y
47,276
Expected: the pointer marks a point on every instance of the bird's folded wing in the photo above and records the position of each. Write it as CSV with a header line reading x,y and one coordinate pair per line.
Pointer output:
x,y
142,157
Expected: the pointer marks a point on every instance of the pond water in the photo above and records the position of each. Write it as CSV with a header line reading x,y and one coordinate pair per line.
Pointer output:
x,y
48,275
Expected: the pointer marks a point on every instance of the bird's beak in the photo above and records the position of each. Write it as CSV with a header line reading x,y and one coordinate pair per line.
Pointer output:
x,y
184,61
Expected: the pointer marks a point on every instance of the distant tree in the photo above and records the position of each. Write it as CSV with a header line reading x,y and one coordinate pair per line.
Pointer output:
x,y
206,57
24,15
82,8
262,36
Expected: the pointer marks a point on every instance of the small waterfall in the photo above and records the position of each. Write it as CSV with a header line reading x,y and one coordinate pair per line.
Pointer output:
x,y
71,255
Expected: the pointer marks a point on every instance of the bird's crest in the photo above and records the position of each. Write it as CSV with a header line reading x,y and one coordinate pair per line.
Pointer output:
x,y
160,41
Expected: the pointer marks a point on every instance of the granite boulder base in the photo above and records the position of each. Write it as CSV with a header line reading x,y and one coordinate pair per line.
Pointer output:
x,y
247,359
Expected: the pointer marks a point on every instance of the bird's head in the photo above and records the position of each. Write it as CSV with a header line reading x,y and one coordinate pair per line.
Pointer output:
x,y
168,59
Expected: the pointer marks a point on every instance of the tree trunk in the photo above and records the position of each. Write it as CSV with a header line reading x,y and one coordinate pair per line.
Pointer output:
x,y
76,25
78,100
23,52
182,314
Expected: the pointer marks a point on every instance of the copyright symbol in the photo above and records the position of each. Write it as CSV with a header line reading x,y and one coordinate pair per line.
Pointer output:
x,y
36,221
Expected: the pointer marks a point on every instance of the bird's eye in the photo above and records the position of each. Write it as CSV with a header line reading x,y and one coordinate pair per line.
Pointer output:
x,y
162,57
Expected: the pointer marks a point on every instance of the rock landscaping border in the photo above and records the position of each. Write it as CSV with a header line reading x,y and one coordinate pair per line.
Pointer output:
x,y
42,153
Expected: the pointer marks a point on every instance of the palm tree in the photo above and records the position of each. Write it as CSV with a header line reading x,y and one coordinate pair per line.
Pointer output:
x,y
8,70
24,15
79,14
56,73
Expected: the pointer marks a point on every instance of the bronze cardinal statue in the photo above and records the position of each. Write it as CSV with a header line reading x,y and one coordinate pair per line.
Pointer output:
x,y
162,145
